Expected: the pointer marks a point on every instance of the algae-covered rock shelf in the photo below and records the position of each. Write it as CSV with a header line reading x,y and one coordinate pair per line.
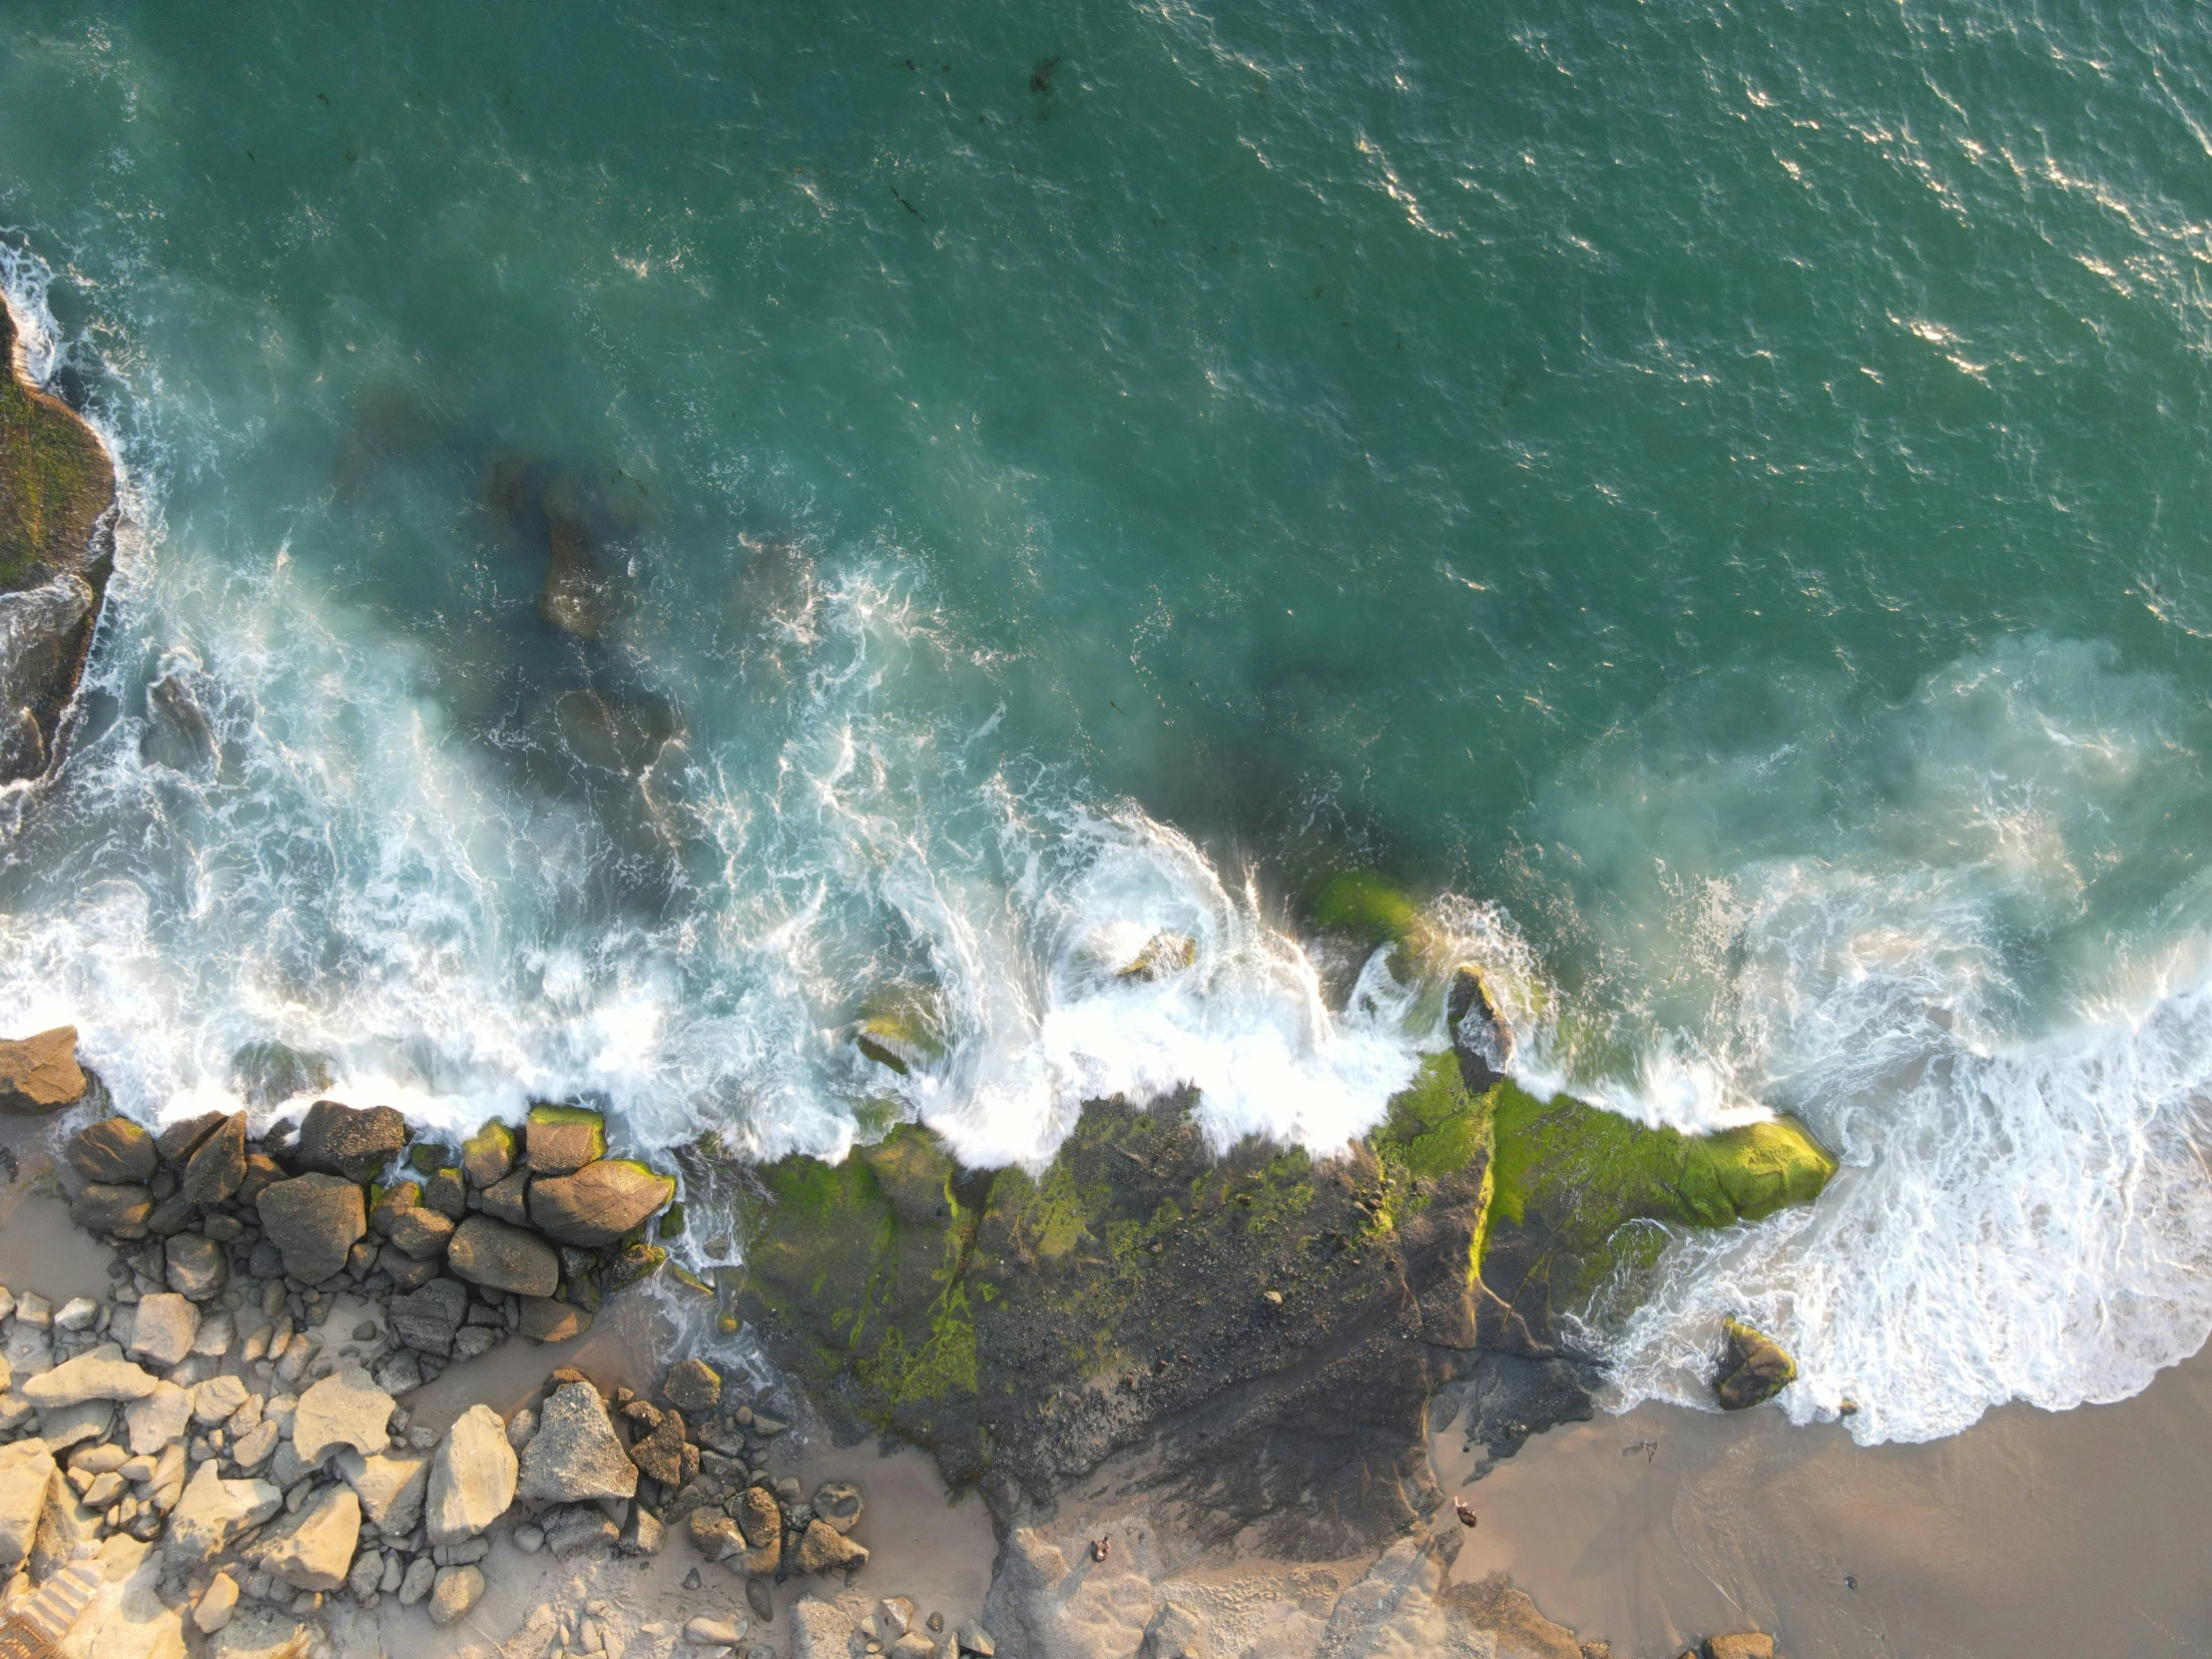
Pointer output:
x,y
57,492
1143,1290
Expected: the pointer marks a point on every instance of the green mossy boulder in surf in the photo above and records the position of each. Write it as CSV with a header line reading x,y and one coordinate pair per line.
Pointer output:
x,y
1755,1370
900,1029
1582,1194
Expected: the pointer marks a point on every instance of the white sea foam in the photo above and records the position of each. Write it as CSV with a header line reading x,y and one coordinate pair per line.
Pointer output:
x,y
2019,1092
1917,967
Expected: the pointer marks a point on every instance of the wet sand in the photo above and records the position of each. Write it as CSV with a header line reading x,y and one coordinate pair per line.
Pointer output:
x,y
2061,1533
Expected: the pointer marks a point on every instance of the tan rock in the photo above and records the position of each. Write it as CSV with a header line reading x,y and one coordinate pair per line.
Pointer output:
x,y
313,1550
101,1374
215,1604
823,1548
26,1474
40,1075
392,1487
488,1252
213,1510
472,1478
344,1408
158,1418
1748,1644
575,1455
164,1328
454,1592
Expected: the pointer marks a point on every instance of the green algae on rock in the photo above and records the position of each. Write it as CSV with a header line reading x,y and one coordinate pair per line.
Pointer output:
x,y
1145,1288
57,488
1581,1190
900,1029
1756,1369
1163,954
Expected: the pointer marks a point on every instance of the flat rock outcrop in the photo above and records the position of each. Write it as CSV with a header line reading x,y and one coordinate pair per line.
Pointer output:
x,y
39,1075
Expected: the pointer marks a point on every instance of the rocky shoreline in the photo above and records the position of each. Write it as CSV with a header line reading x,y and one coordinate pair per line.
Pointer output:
x,y
1193,1390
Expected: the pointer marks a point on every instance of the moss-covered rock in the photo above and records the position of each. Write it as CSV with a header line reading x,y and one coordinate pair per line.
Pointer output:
x,y
488,1156
1756,1369
56,489
1364,906
901,1029
1163,954
1580,1191
1141,1287
560,1140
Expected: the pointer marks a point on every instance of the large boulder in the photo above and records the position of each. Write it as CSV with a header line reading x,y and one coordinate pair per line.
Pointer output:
x,y
509,1200
544,1320
351,1141
114,1152
313,1550
561,1140
218,1164
57,547
195,1267
213,1511
390,1485
112,1211
759,1516
660,1453
1757,1367
344,1408
26,1473
823,1548
40,1075
426,1320
453,1593
420,1231
575,1454
488,1156
164,1328
490,1253
599,1202
178,1141
314,1220
101,1374
159,1420
472,1481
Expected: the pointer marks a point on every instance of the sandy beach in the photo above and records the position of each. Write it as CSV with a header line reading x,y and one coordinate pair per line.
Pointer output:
x,y
2034,1532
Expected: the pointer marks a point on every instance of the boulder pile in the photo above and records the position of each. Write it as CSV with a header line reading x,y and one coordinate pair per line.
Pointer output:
x,y
297,1491
513,1233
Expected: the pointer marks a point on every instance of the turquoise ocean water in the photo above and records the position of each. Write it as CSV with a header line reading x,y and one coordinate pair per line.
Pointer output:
x,y
1711,496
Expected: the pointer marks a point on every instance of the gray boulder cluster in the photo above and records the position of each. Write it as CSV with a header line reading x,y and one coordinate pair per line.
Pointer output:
x,y
509,1235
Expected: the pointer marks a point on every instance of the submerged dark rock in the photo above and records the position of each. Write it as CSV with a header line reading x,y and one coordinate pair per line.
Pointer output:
x,y
1481,1038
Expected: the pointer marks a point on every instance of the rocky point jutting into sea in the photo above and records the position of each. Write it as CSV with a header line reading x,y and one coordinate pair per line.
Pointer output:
x,y
1247,1350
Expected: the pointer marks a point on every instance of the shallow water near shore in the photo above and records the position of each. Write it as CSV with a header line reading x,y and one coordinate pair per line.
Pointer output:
x,y
1710,498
